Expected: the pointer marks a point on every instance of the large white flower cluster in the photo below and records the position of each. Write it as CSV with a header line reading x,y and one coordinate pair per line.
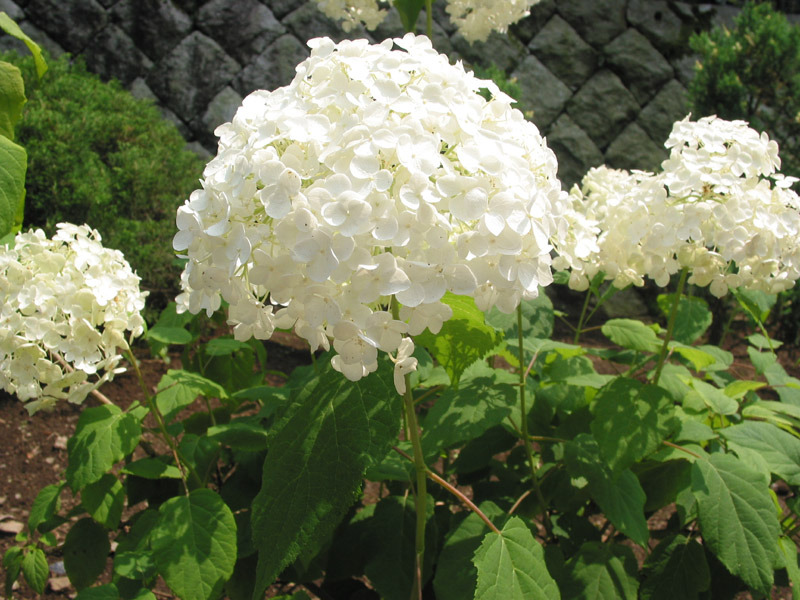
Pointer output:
x,y
718,208
377,176
67,303
475,19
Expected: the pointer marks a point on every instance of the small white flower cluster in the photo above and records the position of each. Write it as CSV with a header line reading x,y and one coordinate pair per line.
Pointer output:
x,y
475,19
66,305
717,208
377,176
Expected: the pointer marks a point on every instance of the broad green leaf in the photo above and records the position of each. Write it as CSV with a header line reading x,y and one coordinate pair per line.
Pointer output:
x,y
511,566
756,303
316,462
45,507
676,568
103,436
631,420
456,577
135,564
35,569
789,551
737,517
780,450
194,544
104,500
225,346
86,551
168,335
537,319
240,434
700,359
10,27
788,387
631,334
178,389
484,399
600,572
693,318
13,164
763,343
12,98
737,389
714,398
620,497
152,468
12,563
409,12
107,591
463,339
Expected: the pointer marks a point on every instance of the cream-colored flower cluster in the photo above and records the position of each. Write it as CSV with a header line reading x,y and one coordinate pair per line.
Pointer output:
x,y
718,208
67,303
377,176
475,19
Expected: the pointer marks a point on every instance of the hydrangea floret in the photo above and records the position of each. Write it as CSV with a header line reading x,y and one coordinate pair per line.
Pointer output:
x,y
378,176
717,208
475,19
67,305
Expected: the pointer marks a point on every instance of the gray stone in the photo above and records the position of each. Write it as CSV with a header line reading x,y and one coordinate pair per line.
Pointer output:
x,y
188,78
542,92
499,49
642,69
602,107
563,51
598,21
244,28
684,68
655,19
527,28
139,89
281,8
112,54
200,150
309,22
156,26
71,23
627,303
575,150
222,108
668,106
273,68
13,11
633,149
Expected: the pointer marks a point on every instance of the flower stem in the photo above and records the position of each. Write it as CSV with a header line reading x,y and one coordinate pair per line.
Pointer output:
x,y
429,18
662,357
582,318
421,495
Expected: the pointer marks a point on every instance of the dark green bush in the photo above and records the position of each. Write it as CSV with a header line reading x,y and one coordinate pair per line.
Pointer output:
x,y
98,155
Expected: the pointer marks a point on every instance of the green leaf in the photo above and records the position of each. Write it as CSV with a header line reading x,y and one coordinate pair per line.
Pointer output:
x,y
756,303
106,591
693,318
511,566
700,359
12,98
601,572
485,398
631,334
35,569
240,434
104,500
631,420
45,507
152,468
713,397
676,568
168,335
225,346
13,164
194,544
11,28
737,518
780,450
789,551
316,462
409,12
178,389
463,339
621,498
12,563
86,550
135,564
537,319
103,436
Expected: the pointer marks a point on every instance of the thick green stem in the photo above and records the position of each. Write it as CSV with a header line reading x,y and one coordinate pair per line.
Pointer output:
x,y
429,18
662,357
421,494
581,319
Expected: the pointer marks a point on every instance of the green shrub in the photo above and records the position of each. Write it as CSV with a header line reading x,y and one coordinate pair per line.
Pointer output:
x,y
98,155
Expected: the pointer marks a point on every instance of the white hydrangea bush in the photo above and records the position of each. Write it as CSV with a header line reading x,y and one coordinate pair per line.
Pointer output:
x,y
67,305
377,175
718,208
474,19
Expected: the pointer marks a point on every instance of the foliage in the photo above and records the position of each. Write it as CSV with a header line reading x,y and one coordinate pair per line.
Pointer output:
x,y
98,155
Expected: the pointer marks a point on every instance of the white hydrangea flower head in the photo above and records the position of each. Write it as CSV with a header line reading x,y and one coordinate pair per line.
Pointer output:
x,y
378,175
67,305
718,208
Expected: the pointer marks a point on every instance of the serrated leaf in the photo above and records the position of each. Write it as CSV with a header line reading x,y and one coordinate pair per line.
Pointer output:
x,y
511,566
693,318
104,500
152,468
194,544
714,398
737,389
601,572
240,434
225,346
780,450
13,165
45,507
676,568
35,569
178,389
86,549
463,339
631,334
168,335
620,497
316,462
12,563
537,319
12,98
135,564
12,29
737,518
631,420
106,591
103,436
700,359
789,551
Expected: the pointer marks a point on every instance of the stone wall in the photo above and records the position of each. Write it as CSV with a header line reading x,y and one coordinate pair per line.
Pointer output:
x,y
604,79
